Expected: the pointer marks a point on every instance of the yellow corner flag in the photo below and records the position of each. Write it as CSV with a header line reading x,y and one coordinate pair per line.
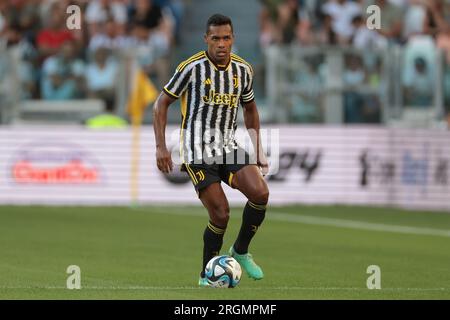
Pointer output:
x,y
143,92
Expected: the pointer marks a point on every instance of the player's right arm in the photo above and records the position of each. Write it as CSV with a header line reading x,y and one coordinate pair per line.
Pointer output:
x,y
171,91
160,107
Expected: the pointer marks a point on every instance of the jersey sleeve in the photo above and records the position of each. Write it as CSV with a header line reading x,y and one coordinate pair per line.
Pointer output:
x,y
179,82
247,94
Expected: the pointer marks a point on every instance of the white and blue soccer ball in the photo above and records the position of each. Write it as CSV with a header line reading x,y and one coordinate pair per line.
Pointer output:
x,y
223,272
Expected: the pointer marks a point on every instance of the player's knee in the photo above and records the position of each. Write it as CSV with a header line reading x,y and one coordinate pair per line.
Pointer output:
x,y
221,215
260,196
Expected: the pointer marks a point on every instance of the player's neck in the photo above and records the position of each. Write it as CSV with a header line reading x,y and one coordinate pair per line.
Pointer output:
x,y
219,63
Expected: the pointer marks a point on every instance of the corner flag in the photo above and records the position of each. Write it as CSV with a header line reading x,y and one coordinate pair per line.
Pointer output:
x,y
143,92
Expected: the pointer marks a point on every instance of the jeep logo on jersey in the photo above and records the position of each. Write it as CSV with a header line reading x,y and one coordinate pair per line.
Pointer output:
x,y
227,99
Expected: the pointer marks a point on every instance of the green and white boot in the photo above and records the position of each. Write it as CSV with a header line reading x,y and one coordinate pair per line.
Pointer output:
x,y
203,282
248,264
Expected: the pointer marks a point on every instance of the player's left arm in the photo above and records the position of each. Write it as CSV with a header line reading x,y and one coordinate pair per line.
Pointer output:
x,y
251,119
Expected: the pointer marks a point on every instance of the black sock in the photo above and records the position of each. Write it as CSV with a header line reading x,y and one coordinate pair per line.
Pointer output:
x,y
251,219
212,243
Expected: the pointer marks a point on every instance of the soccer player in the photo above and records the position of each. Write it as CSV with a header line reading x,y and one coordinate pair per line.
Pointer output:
x,y
212,84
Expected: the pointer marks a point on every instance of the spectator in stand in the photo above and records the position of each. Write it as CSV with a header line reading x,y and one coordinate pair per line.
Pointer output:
x,y
108,36
414,19
63,75
28,74
99,11
18,20
3,10
354,76
324,34
153,32
9,26
288,20
174,9
365,38
284,22
307,106
270,30
442,29
402,4
50,40
294,23
80,35
101,75
157,25
443,43
19,23
418,89
435,18
342,13
148,55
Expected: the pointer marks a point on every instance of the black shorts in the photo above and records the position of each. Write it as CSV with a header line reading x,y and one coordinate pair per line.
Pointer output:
x,y
204,174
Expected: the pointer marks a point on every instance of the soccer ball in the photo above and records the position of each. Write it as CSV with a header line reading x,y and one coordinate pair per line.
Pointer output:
x,y
223,272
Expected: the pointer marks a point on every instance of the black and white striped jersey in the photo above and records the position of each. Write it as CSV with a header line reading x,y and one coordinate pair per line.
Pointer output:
x,y
210,96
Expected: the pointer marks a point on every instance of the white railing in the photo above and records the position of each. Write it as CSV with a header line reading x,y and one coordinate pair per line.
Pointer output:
x,y
316,84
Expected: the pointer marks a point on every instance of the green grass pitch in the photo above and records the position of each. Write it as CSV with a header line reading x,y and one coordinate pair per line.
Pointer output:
x,y
307,252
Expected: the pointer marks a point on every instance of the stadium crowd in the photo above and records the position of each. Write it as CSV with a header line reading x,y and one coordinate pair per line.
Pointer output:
x,y
343,22
58,63
418,26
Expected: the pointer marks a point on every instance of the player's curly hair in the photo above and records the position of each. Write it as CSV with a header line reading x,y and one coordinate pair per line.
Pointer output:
x,y
218,20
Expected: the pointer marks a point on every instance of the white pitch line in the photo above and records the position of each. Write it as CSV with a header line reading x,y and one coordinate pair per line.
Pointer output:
x,y
352,224
154,288
321,221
